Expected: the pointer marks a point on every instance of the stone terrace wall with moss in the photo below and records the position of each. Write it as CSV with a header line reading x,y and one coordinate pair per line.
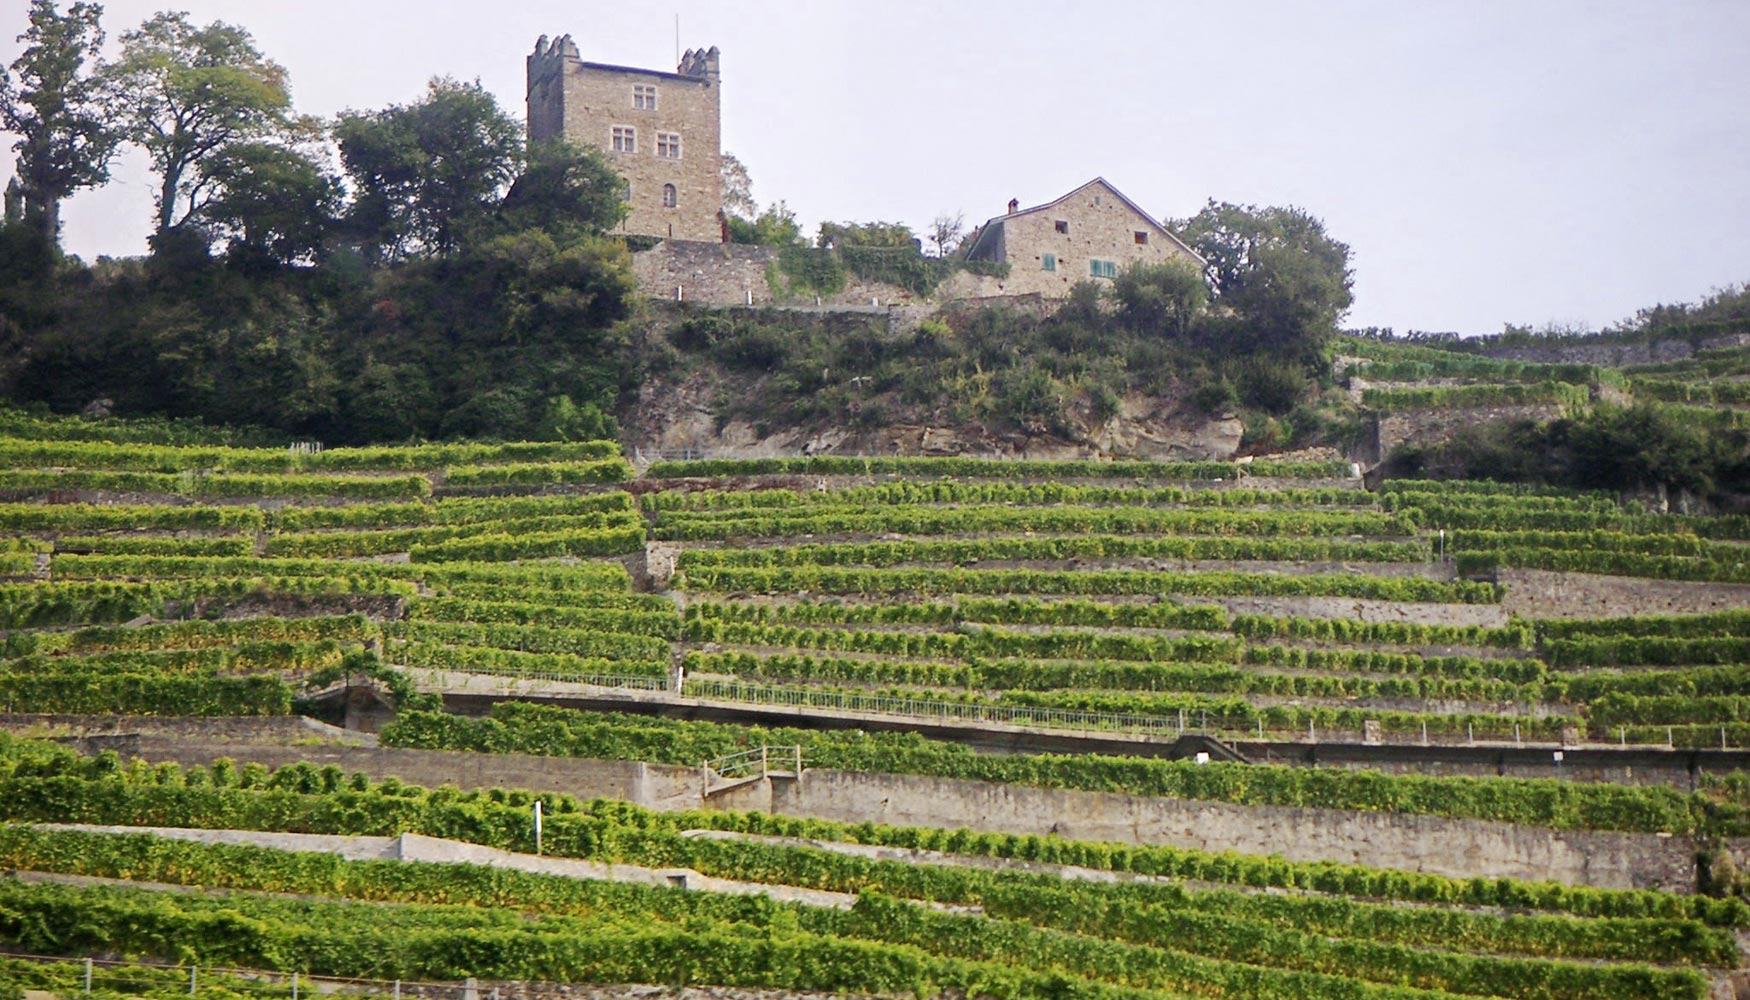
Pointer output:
x,y
737,274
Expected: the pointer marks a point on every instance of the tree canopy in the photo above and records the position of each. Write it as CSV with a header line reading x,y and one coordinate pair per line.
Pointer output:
x,y
427,175
184,93
53,102
1285,280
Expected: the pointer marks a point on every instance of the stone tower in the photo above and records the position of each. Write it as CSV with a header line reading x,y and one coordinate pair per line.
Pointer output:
x,y
659,130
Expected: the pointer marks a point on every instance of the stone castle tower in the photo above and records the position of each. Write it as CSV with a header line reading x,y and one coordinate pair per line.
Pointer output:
x,y
660,131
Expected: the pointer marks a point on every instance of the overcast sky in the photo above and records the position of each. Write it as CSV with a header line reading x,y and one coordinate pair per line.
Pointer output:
x,y
1488,161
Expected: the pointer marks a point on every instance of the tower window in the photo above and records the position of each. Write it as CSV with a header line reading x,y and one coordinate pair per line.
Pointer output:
x,y
670,197
1141,238
1062,226
625,139
644,97
1048,262
668,145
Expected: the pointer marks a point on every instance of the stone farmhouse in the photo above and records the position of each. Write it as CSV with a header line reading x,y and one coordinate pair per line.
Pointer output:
x,y
661,131
1091,233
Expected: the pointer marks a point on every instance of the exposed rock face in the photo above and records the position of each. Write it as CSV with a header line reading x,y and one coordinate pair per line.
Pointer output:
x,y
1144,428
671,419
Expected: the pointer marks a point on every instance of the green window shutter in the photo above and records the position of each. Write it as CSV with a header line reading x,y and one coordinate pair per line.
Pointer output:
x,y
1048,262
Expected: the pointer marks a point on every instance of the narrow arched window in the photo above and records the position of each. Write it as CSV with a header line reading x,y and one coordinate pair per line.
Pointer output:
x,y
670,197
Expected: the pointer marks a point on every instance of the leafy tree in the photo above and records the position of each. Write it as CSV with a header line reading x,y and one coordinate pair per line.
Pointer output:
x,y
564,189
1286,281
1644,446
272,203
54,105
1162,298
427,176
887,235
775,227
185,93
737,188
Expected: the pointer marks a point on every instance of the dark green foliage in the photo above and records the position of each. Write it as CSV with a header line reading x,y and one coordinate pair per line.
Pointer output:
x,y
427,175
273,205
53,103
1649,446
1286,281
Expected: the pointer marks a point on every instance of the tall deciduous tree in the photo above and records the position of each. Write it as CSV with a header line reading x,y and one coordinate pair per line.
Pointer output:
x,y
273,204
52,101
427,175
184,93
1286,280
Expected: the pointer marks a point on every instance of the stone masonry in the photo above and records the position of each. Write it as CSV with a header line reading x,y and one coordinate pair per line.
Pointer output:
x,y
660,131
1089,234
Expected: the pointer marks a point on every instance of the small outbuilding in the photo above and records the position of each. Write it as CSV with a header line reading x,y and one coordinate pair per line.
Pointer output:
x,y
1091,233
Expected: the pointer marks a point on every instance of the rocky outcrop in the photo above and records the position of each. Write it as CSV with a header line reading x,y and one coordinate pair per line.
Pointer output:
x,y
673,419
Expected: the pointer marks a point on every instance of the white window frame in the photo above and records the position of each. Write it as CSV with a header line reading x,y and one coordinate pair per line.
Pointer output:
x,y
668,145
623,139
1098,268
644,97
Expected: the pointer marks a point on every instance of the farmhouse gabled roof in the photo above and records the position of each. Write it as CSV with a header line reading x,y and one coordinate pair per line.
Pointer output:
x,y
996,221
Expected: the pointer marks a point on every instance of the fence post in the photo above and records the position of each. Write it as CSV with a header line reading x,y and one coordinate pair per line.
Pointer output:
x,y
294,986
88,977
191,981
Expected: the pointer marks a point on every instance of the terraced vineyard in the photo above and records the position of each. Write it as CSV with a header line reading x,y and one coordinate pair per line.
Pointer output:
x,y
828,606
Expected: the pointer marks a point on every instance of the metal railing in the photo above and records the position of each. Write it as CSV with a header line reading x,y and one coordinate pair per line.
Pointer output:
x,y
759,762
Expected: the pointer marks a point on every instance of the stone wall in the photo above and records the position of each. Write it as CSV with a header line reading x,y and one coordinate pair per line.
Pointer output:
x,y
1533,593
715,273
1458,848
1426,427
1612,355
737,274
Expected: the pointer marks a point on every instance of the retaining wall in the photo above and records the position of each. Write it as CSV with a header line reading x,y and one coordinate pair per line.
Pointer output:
x,y
1458,848
1533,593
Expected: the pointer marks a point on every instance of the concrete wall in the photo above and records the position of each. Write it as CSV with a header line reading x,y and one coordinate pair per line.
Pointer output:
x,y
1458,848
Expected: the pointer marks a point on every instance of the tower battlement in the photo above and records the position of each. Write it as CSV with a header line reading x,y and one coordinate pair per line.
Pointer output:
x,y
660,131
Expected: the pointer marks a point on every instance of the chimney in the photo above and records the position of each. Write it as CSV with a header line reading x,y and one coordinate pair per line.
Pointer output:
x,y
1014,205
